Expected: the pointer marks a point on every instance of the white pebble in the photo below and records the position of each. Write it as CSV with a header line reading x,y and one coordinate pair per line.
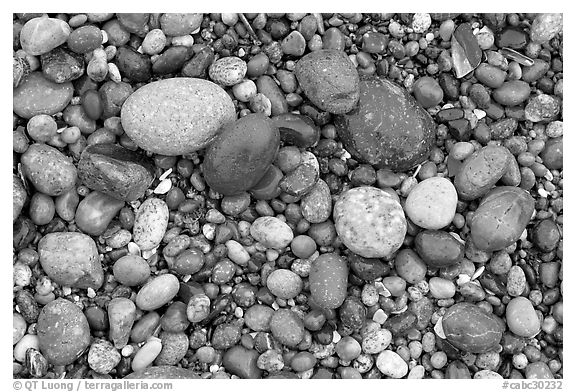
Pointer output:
x,y
237,253
183,40
164,186
209,231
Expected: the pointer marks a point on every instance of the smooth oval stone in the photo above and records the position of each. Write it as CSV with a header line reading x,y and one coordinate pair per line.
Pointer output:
x,y
63,332
538,370
115,171
84,39
501,217
431,204
176,116
481,170
438,248
470,328
366,268
267,86
164,372
428,92
103,357
37,95
391,364
271,232
287,327
545,26
228,71
176,24
71,259
174,348
387,128
131,270
113,95
490,76
241,154
284,283
133,65
157,292
553,153
410,266
521,317
121,317
145,327
61,66
241,362
546,236
301,180
369,221
41,35
258,317
316,205
172,60
535,71
512,38
329,79
297,129
134,22
512,93
328,280
96,211
150,223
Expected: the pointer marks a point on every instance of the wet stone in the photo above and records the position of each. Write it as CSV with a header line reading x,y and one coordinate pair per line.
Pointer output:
x,y
61,66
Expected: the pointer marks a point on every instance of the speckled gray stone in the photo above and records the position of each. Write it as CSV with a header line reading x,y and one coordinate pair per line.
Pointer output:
x,y
37,95
387,128
176,116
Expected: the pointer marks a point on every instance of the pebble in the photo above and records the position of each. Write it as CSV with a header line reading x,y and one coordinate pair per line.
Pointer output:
x,y
427,92
269,89
244,90
228,71
512,93
490,76
287,327
132,64
521,317
391,364
96,211
242,362
481,171
374,42
71,259
501,218
546,235
257,317
175,24
552,153
515,281
103,357
470,328
253,139
316,205
438,248
37,95
545,27
328,280
388,128
61,66
150,223
84,39
18,327
421,22
377,341
131,270
294,44
441,288
174,348
542,107
301,180
41,35
115,171
538,370
431,204
154,42
369,221
157,292
237,253
63,332
284,283
329,80
271,232
147,354
297,130
28,341
121,316
270,361
198,308
184,101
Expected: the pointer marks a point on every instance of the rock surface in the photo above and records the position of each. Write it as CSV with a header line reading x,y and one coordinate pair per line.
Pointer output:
x,y
387,128
176,116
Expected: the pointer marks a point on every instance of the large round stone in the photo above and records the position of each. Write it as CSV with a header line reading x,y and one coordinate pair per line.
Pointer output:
x,y
387,128
176,116
241,154
369,221
63,332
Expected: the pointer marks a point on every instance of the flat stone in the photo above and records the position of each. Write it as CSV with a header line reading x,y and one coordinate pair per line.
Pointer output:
x,y
37,95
